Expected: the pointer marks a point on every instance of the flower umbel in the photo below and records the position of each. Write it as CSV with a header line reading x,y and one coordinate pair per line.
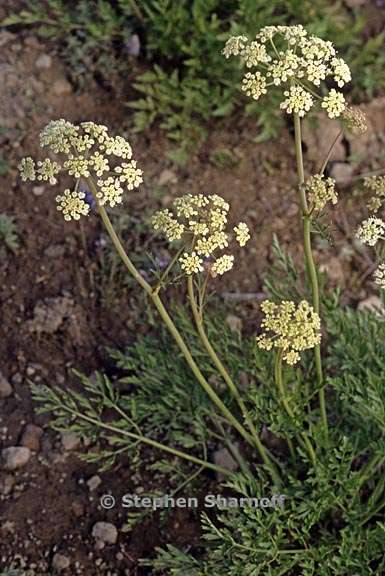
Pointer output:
x,y
88,152
72,204
289,328
379,275
377,185
200,222
371,230
288,56
320,191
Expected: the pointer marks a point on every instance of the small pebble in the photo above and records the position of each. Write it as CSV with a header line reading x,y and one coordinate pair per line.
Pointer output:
x,y
15,457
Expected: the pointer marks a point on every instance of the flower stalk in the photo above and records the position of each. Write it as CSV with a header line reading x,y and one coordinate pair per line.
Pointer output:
x,y
302,438
310,265
198,318
168,321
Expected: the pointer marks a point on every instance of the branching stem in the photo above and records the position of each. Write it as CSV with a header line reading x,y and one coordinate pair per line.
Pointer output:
x,y
229,381
167,320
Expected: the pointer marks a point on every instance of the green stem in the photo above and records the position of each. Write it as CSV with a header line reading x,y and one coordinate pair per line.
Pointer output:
x,y
310,265
168,322
150,442
229,381
303,439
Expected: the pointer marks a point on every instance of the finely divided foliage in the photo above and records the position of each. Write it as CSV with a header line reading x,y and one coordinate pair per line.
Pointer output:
x,y
276,426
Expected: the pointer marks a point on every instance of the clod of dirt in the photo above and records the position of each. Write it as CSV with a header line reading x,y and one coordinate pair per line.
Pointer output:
x,y
70,441
105,533
5,387
50,314
15,457
60,562
31,437
222,457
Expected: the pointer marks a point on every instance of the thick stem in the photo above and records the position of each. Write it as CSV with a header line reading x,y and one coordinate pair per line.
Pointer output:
x,y
229,381
303,439
310,265
168,322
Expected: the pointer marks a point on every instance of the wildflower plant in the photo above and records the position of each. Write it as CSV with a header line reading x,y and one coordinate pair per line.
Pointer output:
x,y
312,459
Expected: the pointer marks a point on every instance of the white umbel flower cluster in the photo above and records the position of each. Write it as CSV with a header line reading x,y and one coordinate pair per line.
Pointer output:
x,y
379,275
371,231
289,328
320,191
289,56
90,153
297,100
199,222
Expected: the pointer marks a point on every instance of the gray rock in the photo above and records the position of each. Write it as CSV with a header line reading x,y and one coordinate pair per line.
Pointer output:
x,y
5,387
44,61
342,173
60,562
31,437
15,457
61,87
70,441
224,458
7,483
38,190
234,323
93,483
105,532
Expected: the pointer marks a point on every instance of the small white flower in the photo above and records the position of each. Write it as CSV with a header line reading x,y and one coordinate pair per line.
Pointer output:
x,y
222,264
191,263
297,100
242,233
371,230
334,103
340,71
27,169
379,275
254,85
234,46
72,205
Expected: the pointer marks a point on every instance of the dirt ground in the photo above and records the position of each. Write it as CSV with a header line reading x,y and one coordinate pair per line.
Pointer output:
x,y
59,310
